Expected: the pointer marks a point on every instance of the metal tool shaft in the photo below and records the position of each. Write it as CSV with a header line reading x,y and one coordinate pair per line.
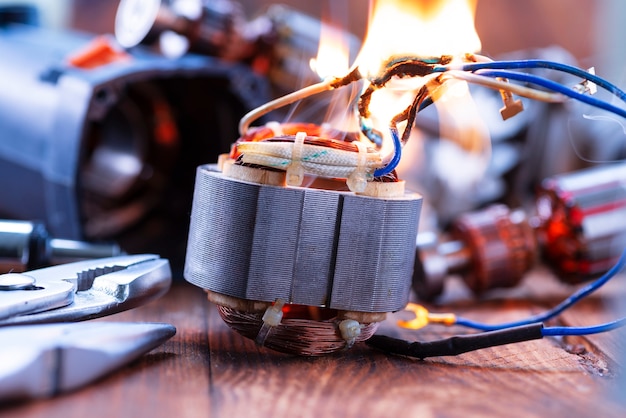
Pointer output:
x,y
27,245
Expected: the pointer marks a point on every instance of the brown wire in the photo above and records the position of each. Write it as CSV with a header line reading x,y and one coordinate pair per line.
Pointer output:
x,y
398,67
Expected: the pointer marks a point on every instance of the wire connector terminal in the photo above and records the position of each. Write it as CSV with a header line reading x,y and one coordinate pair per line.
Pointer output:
x,y
511,106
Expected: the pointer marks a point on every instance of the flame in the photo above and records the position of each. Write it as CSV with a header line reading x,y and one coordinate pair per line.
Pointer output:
x,y
333,61
423,29
418,28
333,53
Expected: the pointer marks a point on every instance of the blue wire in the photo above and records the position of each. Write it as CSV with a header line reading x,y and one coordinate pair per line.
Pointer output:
x,y
397,154
552,85
571,300
498,69
427,102
525,64
594,329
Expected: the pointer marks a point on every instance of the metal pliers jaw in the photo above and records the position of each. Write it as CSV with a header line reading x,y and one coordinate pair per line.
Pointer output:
x,y
82,290
45,360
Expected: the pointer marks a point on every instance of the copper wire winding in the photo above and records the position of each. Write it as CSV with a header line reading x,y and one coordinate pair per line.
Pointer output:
x,y
316,135
305,337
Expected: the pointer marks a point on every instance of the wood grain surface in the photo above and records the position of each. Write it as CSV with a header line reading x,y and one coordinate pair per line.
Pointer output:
x,y
207,370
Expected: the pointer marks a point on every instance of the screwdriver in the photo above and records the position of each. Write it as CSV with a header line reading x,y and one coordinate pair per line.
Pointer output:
x,y
26,245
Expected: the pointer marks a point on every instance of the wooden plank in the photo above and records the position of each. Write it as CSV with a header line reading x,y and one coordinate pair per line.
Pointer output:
x,y
172,380
209,370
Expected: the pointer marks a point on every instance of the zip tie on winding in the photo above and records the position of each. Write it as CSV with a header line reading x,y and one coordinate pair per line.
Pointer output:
x,y
357,180
295,171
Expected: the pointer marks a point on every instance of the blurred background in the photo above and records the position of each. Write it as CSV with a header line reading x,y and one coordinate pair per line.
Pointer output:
x,y
208,95
591,30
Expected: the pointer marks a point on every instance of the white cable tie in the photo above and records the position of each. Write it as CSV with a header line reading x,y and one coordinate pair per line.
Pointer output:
x,y
350,331
272,317
295,171
357,181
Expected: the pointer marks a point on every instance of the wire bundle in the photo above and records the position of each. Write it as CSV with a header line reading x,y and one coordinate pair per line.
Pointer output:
x,y
492,74
506,76
503,69
318,156
316,149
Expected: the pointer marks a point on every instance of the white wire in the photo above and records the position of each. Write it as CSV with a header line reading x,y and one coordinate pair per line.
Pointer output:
x,y
317,169
504,85
330,162
310,153
254,114
315,159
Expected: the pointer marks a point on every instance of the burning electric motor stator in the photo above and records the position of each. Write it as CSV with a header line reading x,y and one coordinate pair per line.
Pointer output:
x,y
332,260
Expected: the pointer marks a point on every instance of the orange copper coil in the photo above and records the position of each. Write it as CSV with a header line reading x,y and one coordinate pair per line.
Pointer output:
x,y
298,333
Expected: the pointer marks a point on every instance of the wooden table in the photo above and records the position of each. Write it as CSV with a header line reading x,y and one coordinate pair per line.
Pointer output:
x,y
207,370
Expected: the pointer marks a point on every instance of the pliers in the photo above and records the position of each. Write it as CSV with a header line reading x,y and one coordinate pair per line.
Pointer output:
x,y
82,290
45,359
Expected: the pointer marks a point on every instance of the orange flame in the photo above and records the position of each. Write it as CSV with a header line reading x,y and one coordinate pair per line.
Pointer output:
x,y
417,28
332,54
429,28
